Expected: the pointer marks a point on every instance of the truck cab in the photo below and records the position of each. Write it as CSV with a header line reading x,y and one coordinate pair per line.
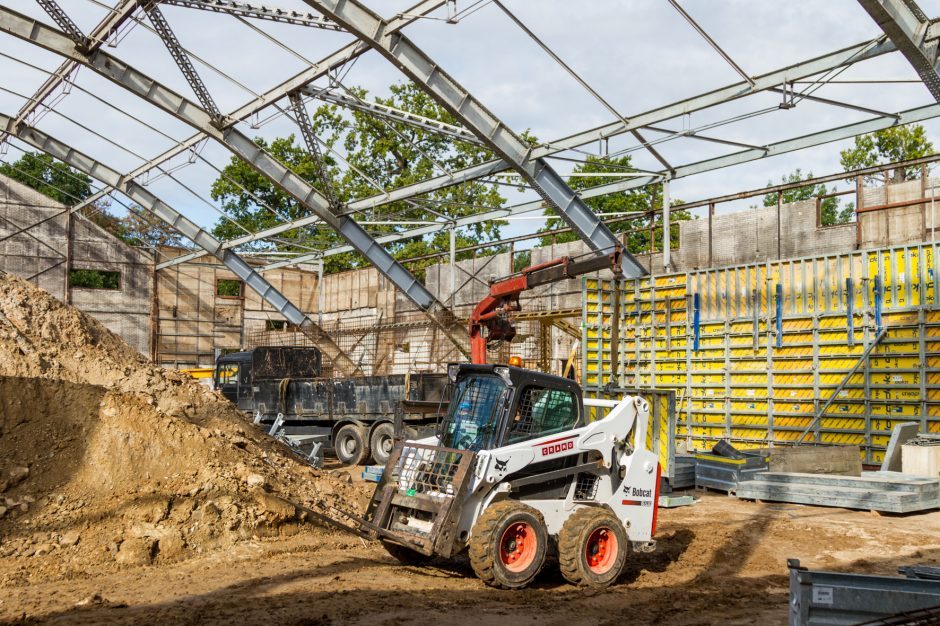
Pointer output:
x,y
237,374
233,378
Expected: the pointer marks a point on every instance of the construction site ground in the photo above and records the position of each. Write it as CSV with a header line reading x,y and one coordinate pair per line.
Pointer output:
x,y
719,561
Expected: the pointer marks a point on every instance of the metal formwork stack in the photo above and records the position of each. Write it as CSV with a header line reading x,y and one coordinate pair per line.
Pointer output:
x,y
754,352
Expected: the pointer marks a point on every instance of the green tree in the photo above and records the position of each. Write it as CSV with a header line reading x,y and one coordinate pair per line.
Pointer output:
x,y
49,177
897,143
633,201
830,211
139,228
381,155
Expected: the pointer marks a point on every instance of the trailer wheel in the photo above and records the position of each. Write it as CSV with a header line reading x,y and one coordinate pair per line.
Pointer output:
x,y
351,445
382,442
508,545
405,556
592,547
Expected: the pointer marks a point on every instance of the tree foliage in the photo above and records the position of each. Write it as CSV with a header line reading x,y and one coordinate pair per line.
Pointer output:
x,y
897,143
830,210
640,200
49,177
382,155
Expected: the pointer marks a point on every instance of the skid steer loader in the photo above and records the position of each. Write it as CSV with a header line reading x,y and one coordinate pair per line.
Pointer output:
x,y
515,474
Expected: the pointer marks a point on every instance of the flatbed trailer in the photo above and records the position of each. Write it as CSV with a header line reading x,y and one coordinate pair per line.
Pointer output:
x,y
357,418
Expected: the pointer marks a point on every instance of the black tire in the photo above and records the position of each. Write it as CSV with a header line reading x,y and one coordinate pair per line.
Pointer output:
x,y
592,547
351,445
382,442
405,556
508,545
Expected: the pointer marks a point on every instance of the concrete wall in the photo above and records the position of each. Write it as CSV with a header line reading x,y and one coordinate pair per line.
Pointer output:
x,y
45,253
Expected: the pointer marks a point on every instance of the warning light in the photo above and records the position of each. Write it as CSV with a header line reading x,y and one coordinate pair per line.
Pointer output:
x,y
515,361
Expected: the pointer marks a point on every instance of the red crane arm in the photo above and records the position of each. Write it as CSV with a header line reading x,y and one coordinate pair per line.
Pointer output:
x,y
493,311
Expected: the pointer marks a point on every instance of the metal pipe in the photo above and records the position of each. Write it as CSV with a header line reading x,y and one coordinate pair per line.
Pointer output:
x,y
835,394
667,231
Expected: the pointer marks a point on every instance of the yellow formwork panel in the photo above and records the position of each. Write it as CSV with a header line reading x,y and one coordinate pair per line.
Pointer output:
x,y
731,377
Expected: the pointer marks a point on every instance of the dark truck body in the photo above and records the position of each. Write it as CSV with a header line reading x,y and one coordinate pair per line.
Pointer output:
x,y
271,382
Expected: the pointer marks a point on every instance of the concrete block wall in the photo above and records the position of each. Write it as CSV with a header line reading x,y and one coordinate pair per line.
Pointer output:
x,y
41,256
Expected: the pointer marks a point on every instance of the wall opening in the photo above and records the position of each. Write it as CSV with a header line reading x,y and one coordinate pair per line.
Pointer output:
x,y
229,288
95,279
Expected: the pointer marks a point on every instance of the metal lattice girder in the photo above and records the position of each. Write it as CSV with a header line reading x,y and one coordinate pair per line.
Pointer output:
x,y
263,12
906,26
182,60
180,223
140,84
314,72
397,48
64,21
313,147
392,114
743,156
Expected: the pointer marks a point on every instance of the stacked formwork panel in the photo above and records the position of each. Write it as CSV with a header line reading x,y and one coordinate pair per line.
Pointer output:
x,y
754,352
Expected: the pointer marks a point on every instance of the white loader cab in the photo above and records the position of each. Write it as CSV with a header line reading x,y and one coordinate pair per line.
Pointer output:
x,y
515,472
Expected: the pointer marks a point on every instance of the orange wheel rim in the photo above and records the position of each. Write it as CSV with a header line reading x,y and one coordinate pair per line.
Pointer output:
x,y
518,546
600,551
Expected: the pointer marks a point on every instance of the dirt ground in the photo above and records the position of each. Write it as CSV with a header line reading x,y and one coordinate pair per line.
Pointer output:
x,y
718,561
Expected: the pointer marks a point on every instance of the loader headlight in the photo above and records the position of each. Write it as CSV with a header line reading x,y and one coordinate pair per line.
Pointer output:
x,y
452,370
503,372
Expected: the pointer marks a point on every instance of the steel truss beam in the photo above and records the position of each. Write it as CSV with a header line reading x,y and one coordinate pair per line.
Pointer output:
x,y
64,21
743,156
183,225
906,26
182,61
812,67
392,114
138,83
95,40
313,147
314,72
262,12
399,50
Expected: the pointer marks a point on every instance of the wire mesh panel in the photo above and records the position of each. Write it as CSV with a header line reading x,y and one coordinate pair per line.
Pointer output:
x,y
418,501
586,487
541,412
428,471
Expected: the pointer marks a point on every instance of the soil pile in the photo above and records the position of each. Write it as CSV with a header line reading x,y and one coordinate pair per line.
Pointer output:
x,y
107,459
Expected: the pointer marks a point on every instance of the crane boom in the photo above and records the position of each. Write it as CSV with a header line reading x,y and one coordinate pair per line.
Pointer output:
x,y
493,313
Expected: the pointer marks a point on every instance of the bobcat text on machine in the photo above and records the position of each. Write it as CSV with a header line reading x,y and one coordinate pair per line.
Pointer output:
x,y
515,463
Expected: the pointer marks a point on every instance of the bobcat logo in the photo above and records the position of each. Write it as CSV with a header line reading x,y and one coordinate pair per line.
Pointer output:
x,y
501,465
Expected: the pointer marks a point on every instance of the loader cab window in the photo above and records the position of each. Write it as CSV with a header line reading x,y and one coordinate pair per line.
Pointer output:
x,y
473,414
541,412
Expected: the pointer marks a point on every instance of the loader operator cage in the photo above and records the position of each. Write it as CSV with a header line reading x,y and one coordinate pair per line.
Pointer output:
x,y
472,419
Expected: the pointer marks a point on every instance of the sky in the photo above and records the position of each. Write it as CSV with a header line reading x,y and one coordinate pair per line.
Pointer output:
x,y
637,54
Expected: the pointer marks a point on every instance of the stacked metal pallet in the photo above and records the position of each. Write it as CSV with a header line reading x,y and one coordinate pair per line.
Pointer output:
x,y
890,492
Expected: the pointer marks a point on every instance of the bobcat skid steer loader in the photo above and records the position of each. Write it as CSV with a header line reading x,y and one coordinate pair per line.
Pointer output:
x,y
515,473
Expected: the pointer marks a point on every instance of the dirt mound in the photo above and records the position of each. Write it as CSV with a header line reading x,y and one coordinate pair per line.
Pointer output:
x,y
107,459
